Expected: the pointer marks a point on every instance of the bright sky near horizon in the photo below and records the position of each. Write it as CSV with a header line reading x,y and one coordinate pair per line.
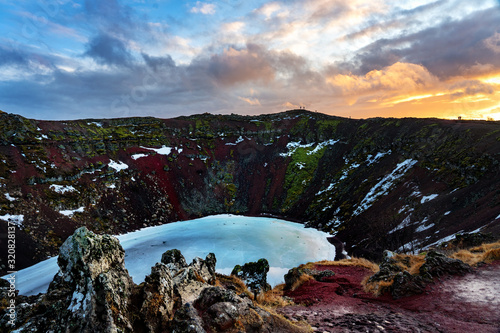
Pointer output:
x,y
63,59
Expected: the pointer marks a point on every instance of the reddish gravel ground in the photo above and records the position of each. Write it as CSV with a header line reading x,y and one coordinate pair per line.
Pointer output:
x,y
454,304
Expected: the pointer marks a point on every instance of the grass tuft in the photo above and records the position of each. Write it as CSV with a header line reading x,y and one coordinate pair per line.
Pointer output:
x,y
274,298
360,262
302,279
482,253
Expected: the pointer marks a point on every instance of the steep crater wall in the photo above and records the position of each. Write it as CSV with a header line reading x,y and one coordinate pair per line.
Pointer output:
x,y
397,184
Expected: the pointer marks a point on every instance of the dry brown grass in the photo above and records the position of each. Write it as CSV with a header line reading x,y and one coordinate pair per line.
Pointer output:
x,y
485,247
491,255
231,280
361,262
376,288
274,298
409,262
302,279
483,253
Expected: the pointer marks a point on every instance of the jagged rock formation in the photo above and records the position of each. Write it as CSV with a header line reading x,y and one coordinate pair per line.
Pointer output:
x,y
254,274
94,293
376,184
91,291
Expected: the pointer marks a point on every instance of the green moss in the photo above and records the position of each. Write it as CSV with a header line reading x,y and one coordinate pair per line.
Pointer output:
x,y
300,172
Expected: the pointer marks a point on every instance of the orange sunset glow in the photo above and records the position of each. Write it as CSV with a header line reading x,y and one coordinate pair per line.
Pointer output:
x,y
357,58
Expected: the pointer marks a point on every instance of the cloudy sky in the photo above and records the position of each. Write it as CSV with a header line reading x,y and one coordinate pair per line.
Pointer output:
x,y
64,59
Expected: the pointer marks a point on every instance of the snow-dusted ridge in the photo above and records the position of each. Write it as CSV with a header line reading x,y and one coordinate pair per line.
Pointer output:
x,y
383,187
233,239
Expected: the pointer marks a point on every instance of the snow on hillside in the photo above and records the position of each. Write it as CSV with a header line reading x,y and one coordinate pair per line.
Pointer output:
x,y
71,212
118,166
62,188
164,150
16,219
383,187
233,239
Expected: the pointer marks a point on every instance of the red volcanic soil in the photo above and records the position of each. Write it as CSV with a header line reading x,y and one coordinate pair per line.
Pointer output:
x,y
469,303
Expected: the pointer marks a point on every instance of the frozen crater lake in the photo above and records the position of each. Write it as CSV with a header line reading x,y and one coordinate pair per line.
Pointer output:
x,y
235,240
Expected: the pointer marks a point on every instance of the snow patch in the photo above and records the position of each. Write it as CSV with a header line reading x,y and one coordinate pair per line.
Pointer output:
x,y
383,187
16,219
240,139
329,188
62,188
424,227
71,212
137,156
117,166
405,223
164,150
448,213
345,173
293,146
8,197
370,159
428,198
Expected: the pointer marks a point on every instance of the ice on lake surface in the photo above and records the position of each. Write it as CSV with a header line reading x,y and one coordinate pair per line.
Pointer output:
x,y
235,240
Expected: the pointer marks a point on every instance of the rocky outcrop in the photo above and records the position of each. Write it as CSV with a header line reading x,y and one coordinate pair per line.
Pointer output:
x,y
93,292
294,276
254,274
392,276
437,265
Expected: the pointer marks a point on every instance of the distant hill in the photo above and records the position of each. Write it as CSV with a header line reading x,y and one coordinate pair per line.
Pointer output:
x,y
398,184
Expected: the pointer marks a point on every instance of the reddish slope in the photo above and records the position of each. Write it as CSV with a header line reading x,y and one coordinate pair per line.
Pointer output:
x,y
457,304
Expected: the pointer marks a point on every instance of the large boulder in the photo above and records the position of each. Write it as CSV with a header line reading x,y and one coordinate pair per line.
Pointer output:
x,y
91,291
189,280
405,284
295,276
221,310
159,298
254,274
437,265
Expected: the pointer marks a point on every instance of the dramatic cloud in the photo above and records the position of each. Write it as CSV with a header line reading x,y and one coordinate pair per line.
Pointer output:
x,y
357,58
108,50
234,66
203,8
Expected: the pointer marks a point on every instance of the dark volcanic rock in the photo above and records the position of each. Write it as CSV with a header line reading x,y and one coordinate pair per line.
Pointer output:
x,y
159,298
406,284
174,260
91,291
299,165
94,293
224,311
437,264
296,273
254,274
